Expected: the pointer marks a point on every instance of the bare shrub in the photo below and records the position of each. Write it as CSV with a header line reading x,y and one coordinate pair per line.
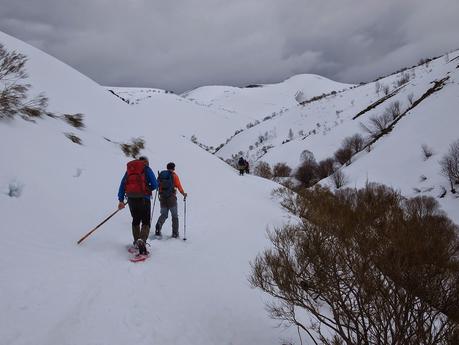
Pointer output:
x,y
450,165
339,179
306,173
378,87
404,78
307,155
281,170
410,98
263,169
133,149
427,152
75,120
378,125
15,189
14,99
385,90
363,267
343,155
74,138
355,143
394,110
325,168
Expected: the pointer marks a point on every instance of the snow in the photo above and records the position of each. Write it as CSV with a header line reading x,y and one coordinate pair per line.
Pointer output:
x,y
53,291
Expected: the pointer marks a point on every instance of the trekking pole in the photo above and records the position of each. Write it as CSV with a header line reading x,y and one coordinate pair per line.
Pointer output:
x,y
184,219
154,203
89,233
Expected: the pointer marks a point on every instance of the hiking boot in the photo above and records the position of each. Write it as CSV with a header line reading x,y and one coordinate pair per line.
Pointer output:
x,y
175,235
142,248
158,231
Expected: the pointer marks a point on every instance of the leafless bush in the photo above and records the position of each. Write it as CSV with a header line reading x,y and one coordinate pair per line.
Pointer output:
x,y
385,90
307,155
394,110
450,165
325,168
343,155
74,138
364,267
14,99
339,179
281,170
263,169
410,98
404,78
355,143
15,189
133,149
306,173
75,120
378,125
378,87
427,152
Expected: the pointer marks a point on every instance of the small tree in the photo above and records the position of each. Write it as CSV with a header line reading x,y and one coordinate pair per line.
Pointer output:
x,y
14,99
450,165
263,169
410,98
281,170
378,125
394,110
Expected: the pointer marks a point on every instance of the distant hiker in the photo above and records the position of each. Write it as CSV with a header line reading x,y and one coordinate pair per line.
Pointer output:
x,y
242,166
169,182
247,168
137,184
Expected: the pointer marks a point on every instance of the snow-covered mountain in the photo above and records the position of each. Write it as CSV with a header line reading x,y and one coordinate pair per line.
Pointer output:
x,y
55,292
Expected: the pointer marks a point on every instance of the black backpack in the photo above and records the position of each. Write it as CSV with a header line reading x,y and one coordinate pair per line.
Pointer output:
x,y
166,184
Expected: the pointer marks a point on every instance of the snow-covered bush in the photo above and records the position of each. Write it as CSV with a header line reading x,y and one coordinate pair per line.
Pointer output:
x,y
15,189
14,98
342,275
410,98
427,152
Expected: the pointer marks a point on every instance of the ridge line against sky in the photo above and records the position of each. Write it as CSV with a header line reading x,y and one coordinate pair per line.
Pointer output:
x,y
180,45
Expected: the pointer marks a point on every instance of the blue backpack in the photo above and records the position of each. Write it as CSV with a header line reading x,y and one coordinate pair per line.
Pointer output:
x,y
166,184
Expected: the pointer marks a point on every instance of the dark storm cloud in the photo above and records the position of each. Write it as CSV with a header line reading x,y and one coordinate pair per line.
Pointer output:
x,y
182,44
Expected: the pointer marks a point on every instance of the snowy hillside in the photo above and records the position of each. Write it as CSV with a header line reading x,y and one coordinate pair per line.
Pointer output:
x,y
55,292
258,101
428,106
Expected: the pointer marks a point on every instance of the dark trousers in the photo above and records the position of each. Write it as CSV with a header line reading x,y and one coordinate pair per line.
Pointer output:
x,y
140,211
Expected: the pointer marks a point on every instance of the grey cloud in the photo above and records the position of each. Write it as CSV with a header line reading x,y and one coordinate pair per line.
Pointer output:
x,y
180,44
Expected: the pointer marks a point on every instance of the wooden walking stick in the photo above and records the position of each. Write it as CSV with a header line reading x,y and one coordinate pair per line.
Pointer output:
x,y
89,233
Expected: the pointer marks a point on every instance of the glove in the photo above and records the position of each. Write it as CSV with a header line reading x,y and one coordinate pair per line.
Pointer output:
x,y
121,205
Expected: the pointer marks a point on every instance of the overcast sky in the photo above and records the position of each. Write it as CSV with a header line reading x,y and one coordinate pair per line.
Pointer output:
x,y
181,44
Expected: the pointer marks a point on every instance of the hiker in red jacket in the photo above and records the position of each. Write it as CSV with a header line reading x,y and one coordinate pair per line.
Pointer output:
x,y
169,182
137,184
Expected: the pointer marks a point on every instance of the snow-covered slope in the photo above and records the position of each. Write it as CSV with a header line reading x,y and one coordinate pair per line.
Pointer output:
x,y
258,101
55,292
